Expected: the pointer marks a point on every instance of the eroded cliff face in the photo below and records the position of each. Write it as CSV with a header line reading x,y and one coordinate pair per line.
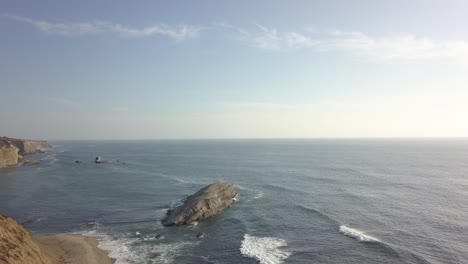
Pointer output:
x,y
8,154
27,146
12,149
16,245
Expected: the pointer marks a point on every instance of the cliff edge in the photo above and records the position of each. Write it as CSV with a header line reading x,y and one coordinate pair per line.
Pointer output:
x,y
27,146
16,245
9,155
12,149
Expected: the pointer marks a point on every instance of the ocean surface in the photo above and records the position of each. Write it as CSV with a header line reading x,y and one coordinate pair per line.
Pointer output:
x,y
300,201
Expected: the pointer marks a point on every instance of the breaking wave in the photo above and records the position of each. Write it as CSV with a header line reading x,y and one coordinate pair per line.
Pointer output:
x,y
118,248
267,250
138,248
357,234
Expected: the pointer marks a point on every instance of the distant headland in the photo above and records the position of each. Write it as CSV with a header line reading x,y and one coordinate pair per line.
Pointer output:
x,y
12,150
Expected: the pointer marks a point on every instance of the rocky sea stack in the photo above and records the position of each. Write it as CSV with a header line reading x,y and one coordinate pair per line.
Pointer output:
x,y
207,202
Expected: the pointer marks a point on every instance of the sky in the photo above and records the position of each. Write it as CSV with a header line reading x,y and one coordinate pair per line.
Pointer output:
x,y
115,69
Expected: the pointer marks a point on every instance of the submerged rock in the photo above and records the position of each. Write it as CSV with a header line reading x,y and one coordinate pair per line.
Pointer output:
x,y
32,162
200,235
91,224
153,255
207,202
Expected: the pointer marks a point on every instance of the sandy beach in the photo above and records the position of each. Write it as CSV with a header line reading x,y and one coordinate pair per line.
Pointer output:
x,y
71,248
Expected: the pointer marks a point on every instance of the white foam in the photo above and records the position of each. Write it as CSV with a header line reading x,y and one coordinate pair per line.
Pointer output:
x,y
357,234
129,250
168,252
179,180
176,203
267,250
259,195
171,177
51,158
117,248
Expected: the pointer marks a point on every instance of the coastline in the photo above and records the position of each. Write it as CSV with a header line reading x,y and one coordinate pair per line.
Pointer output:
x,y
13,150
72,248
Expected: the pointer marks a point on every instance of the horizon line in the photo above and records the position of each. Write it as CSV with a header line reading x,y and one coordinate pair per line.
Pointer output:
x,y
261,138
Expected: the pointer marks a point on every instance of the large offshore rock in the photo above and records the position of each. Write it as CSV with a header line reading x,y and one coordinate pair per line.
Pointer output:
x,y
16,245
207,202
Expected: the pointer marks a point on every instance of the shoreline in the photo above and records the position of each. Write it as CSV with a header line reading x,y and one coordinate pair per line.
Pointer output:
x,y
72,248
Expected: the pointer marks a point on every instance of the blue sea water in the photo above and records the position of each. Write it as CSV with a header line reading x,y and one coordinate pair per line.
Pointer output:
x,y
300,201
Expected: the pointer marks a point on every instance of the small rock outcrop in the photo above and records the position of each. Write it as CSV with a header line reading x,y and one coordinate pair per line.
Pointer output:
x,y
9,155
98,159
16,245
207,202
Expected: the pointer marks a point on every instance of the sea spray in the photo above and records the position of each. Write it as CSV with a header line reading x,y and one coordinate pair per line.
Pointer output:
x,y
357,234
267,250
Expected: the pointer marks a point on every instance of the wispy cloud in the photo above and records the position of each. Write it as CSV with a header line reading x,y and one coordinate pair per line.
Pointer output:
x,y
402,46
74,29
62,101
297,40
377,48
120,109
266,38
391,47
258,106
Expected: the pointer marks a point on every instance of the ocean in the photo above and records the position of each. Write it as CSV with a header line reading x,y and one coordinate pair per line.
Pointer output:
x,y
300,201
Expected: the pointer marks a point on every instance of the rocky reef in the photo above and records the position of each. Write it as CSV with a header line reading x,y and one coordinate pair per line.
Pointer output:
x,y
207,202
12,149
17,246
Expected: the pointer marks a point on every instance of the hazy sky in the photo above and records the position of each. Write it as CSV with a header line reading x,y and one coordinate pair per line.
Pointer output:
x,y
233,69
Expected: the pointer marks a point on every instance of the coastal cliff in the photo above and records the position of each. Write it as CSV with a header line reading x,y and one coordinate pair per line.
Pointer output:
x,y
9,155
16,245
27,146
12,149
